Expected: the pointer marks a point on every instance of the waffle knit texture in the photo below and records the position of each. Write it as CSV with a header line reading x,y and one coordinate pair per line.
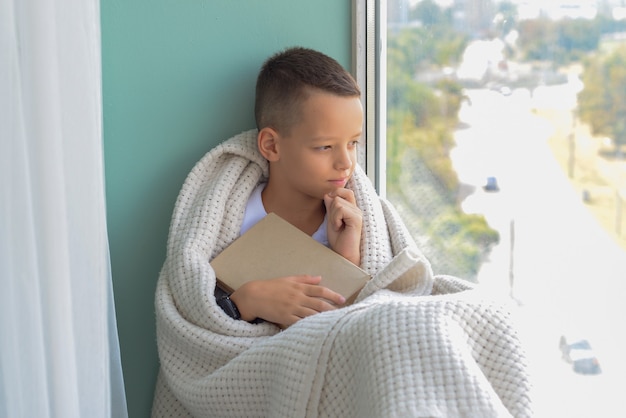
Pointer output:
x,y
412,345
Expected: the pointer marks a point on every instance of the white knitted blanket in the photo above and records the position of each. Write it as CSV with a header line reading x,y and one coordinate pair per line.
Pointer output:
x,y
413,345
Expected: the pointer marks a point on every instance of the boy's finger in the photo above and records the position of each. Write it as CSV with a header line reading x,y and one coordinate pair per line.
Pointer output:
x,y
335,212
308,279
345,194
321,292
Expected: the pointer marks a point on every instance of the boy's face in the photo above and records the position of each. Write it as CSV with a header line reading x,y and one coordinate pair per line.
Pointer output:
x,y
319,154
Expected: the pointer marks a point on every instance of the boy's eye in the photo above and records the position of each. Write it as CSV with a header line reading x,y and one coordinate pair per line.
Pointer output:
x,y
351,144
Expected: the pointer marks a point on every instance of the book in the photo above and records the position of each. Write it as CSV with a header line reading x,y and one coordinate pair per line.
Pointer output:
x,y
274,248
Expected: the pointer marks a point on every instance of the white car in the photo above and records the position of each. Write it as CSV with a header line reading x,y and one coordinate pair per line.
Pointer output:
x,y
580,355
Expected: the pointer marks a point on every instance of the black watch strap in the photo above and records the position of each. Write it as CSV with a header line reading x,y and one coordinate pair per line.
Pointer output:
x,y
228,306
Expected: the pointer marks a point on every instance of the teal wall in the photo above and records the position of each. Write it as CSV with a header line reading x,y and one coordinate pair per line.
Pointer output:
x,y
178,77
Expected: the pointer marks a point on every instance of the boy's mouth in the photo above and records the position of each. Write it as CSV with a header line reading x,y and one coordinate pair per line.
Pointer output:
x,y
339,182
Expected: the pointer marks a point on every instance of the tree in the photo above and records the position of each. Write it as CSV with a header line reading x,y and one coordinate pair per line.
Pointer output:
x,y
561,41
506,17
421,113
601,102
430,14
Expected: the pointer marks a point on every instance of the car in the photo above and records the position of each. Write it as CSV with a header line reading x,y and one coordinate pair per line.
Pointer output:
x,y
491,185
580,355
505,91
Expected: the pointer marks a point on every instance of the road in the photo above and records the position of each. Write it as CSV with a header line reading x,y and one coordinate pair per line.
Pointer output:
x,y
562,269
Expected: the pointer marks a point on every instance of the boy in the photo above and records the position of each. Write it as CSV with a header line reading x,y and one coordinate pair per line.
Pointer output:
x,y
396,351
309,118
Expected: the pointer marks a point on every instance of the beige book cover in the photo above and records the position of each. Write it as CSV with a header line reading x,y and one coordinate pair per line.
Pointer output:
x,y
274,248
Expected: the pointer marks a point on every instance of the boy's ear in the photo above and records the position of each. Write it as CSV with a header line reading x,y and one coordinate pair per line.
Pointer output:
x,y
268,143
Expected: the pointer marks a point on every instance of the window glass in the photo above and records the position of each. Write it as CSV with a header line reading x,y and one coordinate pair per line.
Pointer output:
x,y
506,157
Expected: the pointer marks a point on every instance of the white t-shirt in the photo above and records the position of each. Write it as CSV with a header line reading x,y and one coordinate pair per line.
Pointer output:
x,y
255,211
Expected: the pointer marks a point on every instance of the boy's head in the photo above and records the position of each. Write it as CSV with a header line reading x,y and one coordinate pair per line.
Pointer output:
x,y
288,78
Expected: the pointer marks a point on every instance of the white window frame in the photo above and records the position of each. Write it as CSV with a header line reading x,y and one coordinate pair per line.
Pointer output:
x,y
369,21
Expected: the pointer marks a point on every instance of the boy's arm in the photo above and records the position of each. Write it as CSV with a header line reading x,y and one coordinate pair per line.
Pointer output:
x,y
284,300
345,221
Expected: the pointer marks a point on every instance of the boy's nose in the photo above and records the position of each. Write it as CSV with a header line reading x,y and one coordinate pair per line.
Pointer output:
x,y
343,160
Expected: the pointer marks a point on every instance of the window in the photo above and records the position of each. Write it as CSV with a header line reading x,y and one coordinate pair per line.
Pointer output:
x,y
500,139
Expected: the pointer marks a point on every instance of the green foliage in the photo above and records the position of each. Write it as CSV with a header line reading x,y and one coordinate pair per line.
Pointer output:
x,y
398,122
418,100
561,41
609,25
421,116
475,227
451,98
466,237
506,18
432,145
601,102
423,106
430,14
407,50
414,48
457,225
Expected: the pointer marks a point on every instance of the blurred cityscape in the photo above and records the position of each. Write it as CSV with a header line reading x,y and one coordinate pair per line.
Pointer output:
x,y
493,112
478,16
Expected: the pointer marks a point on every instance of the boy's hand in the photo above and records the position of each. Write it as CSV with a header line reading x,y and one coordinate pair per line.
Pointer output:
x,y
285,300
345,221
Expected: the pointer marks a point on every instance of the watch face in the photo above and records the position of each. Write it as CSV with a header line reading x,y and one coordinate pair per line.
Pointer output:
x,y
229,307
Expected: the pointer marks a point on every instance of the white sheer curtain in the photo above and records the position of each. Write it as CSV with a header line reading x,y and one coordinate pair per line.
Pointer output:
x,y
59,353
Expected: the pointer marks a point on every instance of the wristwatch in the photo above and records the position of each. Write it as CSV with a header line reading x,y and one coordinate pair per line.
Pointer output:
x,y
228,306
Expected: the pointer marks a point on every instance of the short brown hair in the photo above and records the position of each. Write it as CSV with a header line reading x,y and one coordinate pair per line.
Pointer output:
x,y
285,80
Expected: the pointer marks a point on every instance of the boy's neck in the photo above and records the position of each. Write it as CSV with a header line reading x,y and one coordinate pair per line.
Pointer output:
x,y
305,214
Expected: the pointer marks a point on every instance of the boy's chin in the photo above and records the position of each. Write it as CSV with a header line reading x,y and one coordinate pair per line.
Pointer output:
x,y
337,185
